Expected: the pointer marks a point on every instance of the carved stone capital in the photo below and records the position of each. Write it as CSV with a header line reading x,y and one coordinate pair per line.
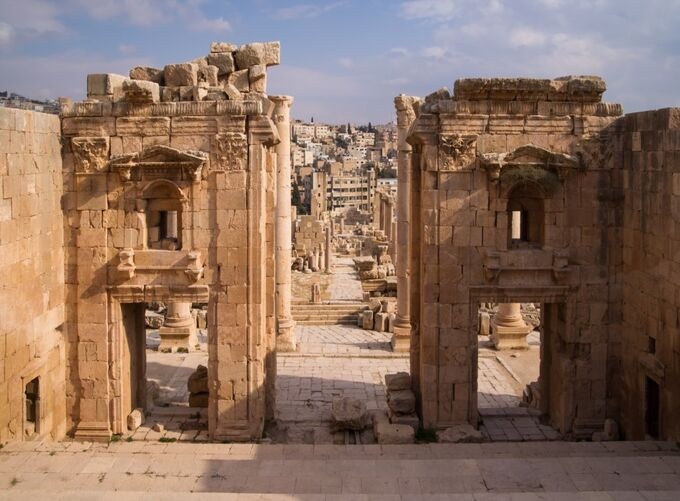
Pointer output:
x,y
456,151
90,154
230,151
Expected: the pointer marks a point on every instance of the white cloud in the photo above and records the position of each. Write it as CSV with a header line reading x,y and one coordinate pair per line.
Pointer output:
x,y
429,9
6,34
203,24
126,49
346,62
526,37
304,11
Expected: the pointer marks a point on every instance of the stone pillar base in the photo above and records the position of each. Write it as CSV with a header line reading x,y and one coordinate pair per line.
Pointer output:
x,y
93,431
401,339
510,338
285,336
173,338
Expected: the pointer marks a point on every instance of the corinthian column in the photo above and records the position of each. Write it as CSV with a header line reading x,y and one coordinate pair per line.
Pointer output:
x,y
401,338
285,336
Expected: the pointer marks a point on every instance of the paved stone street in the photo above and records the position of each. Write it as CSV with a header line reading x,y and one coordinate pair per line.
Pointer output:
x,y
345,285
643,471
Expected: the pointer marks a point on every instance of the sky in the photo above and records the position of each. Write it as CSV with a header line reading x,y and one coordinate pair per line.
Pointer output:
x,y
345,60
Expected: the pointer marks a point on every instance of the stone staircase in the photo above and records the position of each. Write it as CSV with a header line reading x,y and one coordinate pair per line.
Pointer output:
x,y
343,313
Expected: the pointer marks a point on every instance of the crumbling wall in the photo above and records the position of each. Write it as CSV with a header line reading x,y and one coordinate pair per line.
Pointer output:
x,y
32,270
646,148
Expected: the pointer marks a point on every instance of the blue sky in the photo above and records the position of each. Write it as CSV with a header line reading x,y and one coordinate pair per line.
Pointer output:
x,y
345,60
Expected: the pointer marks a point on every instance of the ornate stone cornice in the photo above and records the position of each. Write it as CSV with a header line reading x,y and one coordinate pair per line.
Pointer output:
x,y
160,161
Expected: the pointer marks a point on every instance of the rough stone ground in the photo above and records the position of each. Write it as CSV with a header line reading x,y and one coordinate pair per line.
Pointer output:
x,y
635,471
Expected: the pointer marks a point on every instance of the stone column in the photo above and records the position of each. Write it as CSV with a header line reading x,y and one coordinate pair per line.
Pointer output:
x,y
401,338
285,338
327,264
508,329
179,329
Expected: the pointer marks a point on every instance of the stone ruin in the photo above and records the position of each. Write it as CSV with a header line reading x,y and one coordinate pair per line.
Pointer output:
x,y
313,245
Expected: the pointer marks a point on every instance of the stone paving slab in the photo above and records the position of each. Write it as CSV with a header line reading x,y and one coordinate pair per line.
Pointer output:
x,y
614,470
342,340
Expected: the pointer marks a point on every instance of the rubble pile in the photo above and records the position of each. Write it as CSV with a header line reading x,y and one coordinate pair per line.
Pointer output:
x,y
197,384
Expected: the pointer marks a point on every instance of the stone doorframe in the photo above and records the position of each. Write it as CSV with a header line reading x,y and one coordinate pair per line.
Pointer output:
x,y
546,295
140,294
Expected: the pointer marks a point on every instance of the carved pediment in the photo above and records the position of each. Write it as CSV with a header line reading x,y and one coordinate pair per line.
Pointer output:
x,y
160,161
528,156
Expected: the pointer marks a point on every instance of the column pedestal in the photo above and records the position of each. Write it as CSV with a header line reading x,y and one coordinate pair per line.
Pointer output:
x,y
401,337
508,329
179,330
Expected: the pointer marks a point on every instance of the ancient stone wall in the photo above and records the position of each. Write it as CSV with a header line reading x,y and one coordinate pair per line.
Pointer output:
x,y
645,148
32,270
172,201
498,146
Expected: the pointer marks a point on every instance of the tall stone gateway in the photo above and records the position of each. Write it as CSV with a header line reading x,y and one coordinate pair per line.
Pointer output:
x,y
170,192
498,150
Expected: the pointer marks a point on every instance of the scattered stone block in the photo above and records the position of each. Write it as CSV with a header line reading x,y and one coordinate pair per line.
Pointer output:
x,y
380,324
463,433
398,381
223,61
154,320
401,401
198,380
484,324
405,419
217,47
158,427
232,92
388,433
348,414
135,419
147,73
239,79
104,84
367,319
390,322
141,91
198,400
181,75
208,75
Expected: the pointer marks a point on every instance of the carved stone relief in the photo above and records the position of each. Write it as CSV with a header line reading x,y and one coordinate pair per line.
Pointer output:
x,y
90,154
456,151
230,151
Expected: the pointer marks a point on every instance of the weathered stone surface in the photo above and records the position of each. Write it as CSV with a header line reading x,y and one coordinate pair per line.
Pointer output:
x,y
232,92
147,73
158,427
367,319
154,320
177,75
239,79
102,84
135,419
208,75
198,400
405,419
464,433
348,414
198,380
388,433
141,91
380,323
216,47
401,401
398,381
223,61
268,54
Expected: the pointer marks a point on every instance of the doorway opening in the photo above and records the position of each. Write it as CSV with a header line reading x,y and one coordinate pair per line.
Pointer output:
x,y
32,410
513,372
652,411
166,356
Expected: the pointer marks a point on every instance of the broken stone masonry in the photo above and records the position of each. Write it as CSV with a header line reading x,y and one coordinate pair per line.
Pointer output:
x,y
170,186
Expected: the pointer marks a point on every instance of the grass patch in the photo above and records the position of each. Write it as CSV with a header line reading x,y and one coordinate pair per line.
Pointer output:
x,y
14,481
116,438
426,436
182,349
129,439
167,440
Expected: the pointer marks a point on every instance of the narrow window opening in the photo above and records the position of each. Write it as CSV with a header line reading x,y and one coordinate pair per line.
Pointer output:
x,y
651,345
526,218
652,403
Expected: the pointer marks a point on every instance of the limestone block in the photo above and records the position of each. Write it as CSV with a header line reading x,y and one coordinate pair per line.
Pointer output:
x,y
217,47
398,381
367,319
177,75
239,79
141,91
158,427
147,73
198,400
198,380
104,84
208,75
388,433
143,126
249,55
380,324
232,92
463,433
401,401
484,323
392,317
135,419
223,61
348,414
405,419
